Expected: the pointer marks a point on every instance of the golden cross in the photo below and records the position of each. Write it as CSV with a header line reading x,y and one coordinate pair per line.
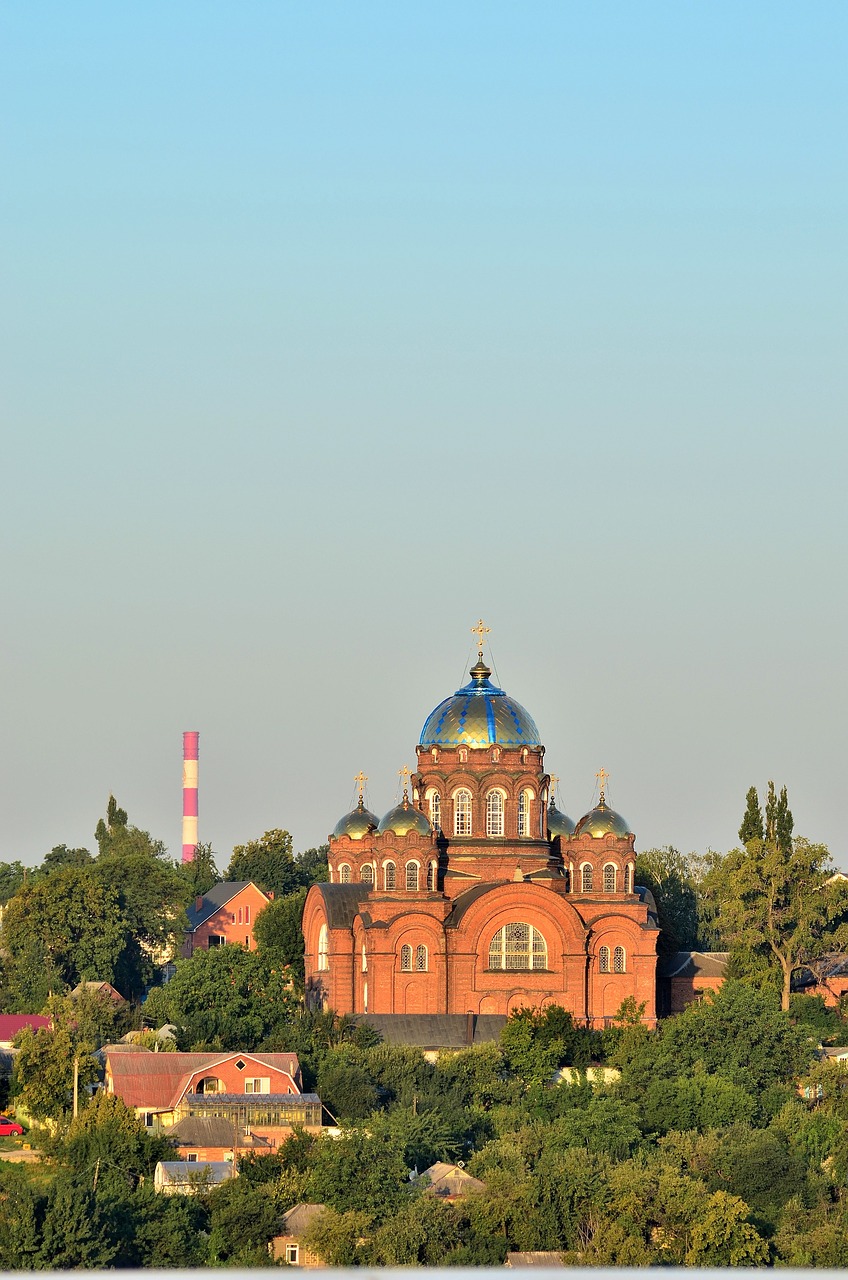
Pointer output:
x,y
405,773
480,631
360,780
602,776
554,781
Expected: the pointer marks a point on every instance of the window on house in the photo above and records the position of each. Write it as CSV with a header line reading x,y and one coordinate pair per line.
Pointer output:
x,y
292,1255
518,946
148,1119
366,875
406,958
435,810
257,1084
462,813
604,960
323,947
524,813
390,876
344,873
586,878
609,878
247,941
217,940
241,914
421,959
496,754
431,876
494,814
247,915
192,1158
412,877
618,960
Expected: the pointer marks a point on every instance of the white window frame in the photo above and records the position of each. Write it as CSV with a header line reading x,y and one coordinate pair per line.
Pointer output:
x,y
406,958
412,871
495,811
257,1084
323,948
462,812
344,873
515,942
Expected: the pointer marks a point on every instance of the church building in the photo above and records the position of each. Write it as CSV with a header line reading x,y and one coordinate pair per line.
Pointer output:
x,y
475,894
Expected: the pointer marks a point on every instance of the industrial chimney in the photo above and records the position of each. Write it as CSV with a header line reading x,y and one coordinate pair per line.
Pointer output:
x,y
190,756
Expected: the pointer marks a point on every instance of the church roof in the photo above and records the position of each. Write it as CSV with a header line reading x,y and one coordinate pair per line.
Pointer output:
x,y
342,902
436,1030
479,715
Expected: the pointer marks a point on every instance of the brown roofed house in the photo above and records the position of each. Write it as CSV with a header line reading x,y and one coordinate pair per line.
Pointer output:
x,y
288,1246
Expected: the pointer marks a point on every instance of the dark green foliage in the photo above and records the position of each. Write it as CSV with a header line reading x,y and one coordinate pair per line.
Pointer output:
x,y
811,1011
242,1222
536,1044
278,935
201,873
779,821
61,856
12,876
669,876
268,862
312,864
359,1172
43,1074
752,820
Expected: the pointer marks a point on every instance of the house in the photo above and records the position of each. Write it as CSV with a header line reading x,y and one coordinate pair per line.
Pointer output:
x,y
448,1181
288,1246
201,1139
257,1094
829,979
179,1178
684,976
225,913
104,989
12,1023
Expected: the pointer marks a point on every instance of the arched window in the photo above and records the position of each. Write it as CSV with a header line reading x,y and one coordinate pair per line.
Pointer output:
x,y
494,814
406,958
366,875
524,800
435,754
518,946
586,878
435,810
462,813
421,958
323,947
618,960
431,876
344,873
390,876
496,754
609,878
364,960
463,755
211,1084
628,878
411,877
604,960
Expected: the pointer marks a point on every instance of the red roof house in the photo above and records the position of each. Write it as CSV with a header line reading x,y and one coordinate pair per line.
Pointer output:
x,y
12,1023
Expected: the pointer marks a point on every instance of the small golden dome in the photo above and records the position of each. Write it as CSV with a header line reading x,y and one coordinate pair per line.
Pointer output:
x,y
558,823
405,818
356,824
602,821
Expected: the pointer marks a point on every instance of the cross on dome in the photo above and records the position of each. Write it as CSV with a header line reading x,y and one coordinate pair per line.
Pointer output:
x,y
480,631
602,777
405,773
360,780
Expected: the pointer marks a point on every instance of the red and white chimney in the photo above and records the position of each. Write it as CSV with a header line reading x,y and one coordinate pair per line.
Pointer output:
x,y
191,742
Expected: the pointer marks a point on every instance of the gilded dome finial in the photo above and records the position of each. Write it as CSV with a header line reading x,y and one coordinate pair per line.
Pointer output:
x,y
602,777
405,773
360,780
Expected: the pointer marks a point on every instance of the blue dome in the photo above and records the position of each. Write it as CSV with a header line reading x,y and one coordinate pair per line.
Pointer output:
x,y
479,715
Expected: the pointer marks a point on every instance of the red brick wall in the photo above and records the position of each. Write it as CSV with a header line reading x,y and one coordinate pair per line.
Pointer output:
x,y
234,921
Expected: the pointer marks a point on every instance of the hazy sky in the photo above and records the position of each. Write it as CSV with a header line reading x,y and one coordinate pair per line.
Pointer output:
x,y
328,328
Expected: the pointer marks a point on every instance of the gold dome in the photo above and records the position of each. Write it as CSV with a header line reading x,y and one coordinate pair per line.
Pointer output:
x,y
356,824
601,821
558,823
405,818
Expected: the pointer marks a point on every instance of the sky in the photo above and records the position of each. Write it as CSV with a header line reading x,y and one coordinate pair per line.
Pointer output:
x,y
328,329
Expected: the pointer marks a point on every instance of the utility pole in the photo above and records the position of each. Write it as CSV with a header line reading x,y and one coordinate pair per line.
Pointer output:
x,y
76,1085
96,1172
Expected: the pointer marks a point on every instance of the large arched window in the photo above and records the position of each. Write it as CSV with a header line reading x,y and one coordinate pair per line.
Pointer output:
x,y
323,947
364,959
604,960
586,877
524,799
344,873
618,960
211,1084
518,946
406,958
390,876
435,802
609,878
421,958
411,877
494,814
366,875
462,813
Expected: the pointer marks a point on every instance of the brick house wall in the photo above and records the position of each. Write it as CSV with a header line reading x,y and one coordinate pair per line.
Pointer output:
x,y
231,920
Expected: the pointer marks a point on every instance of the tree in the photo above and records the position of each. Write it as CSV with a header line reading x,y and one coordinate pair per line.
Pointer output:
x,y
152,896
106,1130
752,821
667,873
277,932
535,1044
359,1171
224,998
268,862
61,856
201,873
12,876
43,1074
312,864
75,1233
779,821
722,1236
783,900
112,828
91,1016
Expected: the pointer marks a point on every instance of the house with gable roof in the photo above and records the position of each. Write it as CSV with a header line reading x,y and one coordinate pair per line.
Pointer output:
x,y
257,1094
225,913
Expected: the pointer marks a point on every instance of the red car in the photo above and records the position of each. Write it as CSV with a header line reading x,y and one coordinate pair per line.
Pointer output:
x,y
9,1128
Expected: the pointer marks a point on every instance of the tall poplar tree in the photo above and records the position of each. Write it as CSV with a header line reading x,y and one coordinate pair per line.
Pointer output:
x,y
752,823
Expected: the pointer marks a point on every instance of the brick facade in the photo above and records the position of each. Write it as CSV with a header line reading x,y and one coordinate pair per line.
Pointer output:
x,y
227,913
412,919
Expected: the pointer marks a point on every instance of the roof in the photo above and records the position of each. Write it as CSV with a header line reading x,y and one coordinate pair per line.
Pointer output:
x,y
296,1220
157,1081
436,1030
450,1180
187,1171
12,1023
216,898
534,1258
342,902
209,1131
105,988
693,964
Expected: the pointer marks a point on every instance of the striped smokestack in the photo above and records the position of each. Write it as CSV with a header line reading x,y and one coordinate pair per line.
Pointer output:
x,y
190,755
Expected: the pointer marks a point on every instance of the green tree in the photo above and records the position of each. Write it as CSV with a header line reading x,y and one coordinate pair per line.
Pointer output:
x,y
312,865
752,821
43,1074
224,998
91,1016
12,876
334,1237
278,935
242,1222
667,873
152,896
360,1172
268,862
60,856
779,821
75,1233
112,828
535,1044
107,1134
783,902
200,873
722,1235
